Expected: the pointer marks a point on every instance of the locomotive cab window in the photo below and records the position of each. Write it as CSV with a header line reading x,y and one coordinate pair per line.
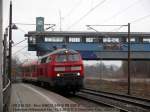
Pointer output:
x,y
73,57
61,58
67,57
43,60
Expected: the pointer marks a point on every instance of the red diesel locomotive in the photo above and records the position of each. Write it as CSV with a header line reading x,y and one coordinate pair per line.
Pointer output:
x,y
61,68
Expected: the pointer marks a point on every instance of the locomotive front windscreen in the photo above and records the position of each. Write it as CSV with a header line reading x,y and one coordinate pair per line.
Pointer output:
x,y
67,57
73,57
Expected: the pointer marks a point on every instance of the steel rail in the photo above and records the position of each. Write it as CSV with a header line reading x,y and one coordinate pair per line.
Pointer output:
x,y
123,102
138,99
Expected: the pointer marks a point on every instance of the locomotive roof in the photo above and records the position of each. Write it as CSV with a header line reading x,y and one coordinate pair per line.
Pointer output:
x,y
60,51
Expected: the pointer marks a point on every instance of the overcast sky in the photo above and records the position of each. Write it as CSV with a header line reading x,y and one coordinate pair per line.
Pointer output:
x,y
75,14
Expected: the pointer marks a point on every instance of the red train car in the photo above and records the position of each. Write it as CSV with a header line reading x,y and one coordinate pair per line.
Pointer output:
x,y
29,71
61,68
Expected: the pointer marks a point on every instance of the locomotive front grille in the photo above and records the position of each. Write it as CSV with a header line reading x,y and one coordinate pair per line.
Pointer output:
x,y
69,74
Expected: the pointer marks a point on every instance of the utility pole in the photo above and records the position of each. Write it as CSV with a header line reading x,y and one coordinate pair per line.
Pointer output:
x,y
129,59
1,55
5,57
10,42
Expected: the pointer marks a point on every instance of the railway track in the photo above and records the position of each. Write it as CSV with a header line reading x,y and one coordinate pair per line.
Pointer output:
x,y
125,103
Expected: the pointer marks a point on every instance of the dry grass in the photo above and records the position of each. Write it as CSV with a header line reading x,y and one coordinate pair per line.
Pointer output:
x,y
140,89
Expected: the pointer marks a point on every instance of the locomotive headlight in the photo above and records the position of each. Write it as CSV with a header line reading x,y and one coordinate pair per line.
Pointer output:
x,y
78,74
58,75
66,51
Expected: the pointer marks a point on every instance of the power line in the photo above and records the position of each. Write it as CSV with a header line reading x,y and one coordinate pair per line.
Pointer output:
x,y
104,34
121,11
19,50
30,24
24,23
116,29
19,42
110,25
22,30
26,55
107,25
20,46
73,9
141,18
92,9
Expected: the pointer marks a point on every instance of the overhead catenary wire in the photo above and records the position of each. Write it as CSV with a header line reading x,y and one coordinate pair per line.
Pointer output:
x,y
73,9
104,34
19,42
20,46
117,29
106,25
86,14
110,25
21,30
70,12
30,24
121,11
140,19
20,50
27,57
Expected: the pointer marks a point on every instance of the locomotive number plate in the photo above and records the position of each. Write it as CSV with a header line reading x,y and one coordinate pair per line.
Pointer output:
x,y
68,68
